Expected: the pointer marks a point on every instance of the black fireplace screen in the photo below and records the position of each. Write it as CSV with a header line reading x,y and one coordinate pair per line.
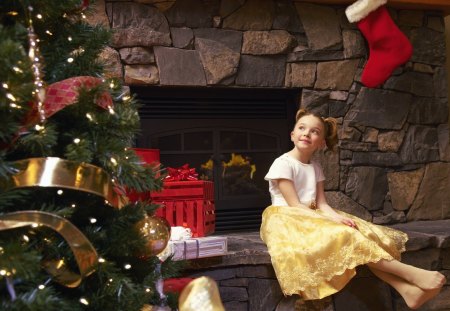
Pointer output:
x,y
230,136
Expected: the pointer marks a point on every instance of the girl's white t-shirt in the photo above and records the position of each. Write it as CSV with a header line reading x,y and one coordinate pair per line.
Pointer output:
x,y
304,176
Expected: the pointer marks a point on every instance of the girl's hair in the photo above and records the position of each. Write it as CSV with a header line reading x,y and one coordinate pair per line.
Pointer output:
x,y
329,124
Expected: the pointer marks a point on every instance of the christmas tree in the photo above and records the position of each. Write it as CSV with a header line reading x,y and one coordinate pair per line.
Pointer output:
x,y
68,239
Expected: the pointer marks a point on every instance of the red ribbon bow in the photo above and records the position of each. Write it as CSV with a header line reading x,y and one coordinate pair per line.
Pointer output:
x,y
181,174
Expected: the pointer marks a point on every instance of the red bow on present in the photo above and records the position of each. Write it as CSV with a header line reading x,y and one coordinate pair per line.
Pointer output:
x,y
181,174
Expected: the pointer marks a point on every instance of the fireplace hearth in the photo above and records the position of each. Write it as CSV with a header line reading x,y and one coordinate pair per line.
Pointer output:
x,y
230,136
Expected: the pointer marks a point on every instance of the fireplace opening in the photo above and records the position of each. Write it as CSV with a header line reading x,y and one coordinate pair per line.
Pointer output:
x,y
229,135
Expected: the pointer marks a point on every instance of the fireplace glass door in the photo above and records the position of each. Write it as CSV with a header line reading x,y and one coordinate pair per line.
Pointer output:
x,y
234,152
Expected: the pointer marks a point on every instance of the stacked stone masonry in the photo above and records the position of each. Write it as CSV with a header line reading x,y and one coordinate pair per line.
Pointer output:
x,y
247,280
393,163
393,139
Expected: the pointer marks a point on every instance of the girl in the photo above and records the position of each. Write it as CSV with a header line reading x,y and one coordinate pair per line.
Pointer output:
x,y
314,248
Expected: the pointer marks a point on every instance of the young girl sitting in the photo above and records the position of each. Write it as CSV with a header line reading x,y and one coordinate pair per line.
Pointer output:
x,y
314,248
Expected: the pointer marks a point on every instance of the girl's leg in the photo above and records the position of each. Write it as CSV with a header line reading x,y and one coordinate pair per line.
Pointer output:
x,y
413,295
424,279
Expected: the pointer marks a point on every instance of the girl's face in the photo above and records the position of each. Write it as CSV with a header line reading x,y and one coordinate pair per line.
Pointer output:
x,y
308,134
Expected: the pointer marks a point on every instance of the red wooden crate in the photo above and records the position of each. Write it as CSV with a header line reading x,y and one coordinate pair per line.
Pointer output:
x,y
196,214
196,189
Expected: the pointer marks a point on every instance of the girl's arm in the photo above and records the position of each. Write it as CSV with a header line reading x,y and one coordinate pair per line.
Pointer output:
x,y
287,189
328,210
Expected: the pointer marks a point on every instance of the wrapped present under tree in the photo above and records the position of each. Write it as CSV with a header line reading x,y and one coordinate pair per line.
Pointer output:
x,y
186,201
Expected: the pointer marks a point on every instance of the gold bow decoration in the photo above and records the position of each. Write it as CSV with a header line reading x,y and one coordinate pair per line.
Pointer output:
x,y
84,253
200,294
57,172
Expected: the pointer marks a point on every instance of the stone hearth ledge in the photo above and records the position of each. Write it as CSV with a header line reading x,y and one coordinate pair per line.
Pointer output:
x,y
247,248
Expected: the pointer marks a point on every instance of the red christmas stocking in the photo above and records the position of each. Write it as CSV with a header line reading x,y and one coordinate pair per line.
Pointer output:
x,y
389,47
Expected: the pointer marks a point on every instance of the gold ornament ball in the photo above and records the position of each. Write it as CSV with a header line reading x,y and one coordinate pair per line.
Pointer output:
x,y
156,231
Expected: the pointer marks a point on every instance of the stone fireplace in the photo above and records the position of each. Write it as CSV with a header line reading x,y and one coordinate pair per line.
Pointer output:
x,y
393,161
229,135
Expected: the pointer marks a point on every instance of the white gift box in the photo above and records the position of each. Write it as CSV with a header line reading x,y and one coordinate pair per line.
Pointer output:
x,y
196,248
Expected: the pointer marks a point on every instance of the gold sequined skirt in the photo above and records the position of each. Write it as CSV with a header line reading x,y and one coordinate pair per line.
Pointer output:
x,y
316,257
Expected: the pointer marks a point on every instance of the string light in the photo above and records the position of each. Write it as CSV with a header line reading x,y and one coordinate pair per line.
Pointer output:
x,y
69,38
17,69
26,238
113,161
84,301
148,290
1,250
70,60
11,97
34,225
89,116
92,220
60,264
48,32
127,266
38,127
59,192
41,287
111,111
101,260
76,140
5,86
36,66
74,205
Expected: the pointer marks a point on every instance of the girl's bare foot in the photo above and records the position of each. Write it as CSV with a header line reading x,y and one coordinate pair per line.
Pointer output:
x,y
415,297
427,280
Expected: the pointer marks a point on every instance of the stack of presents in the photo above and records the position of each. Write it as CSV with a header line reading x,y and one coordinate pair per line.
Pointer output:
x,y
188,205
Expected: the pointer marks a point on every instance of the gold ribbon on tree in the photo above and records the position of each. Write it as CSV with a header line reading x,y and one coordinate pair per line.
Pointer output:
x,y
84,253
56,172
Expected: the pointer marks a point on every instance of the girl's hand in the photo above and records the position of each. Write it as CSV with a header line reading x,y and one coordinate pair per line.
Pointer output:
x,y
344,220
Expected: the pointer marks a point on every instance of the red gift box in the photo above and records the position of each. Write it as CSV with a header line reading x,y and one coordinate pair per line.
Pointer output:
x,y
148,155
198,215
196,189
189,204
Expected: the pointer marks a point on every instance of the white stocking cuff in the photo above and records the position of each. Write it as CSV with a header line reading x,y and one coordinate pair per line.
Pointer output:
x,y
361,8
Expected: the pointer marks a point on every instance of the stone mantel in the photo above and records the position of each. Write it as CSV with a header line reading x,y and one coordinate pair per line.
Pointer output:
x,y
443,5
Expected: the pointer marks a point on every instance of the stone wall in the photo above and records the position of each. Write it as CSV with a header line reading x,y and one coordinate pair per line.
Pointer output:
x,y
247,281
394,158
